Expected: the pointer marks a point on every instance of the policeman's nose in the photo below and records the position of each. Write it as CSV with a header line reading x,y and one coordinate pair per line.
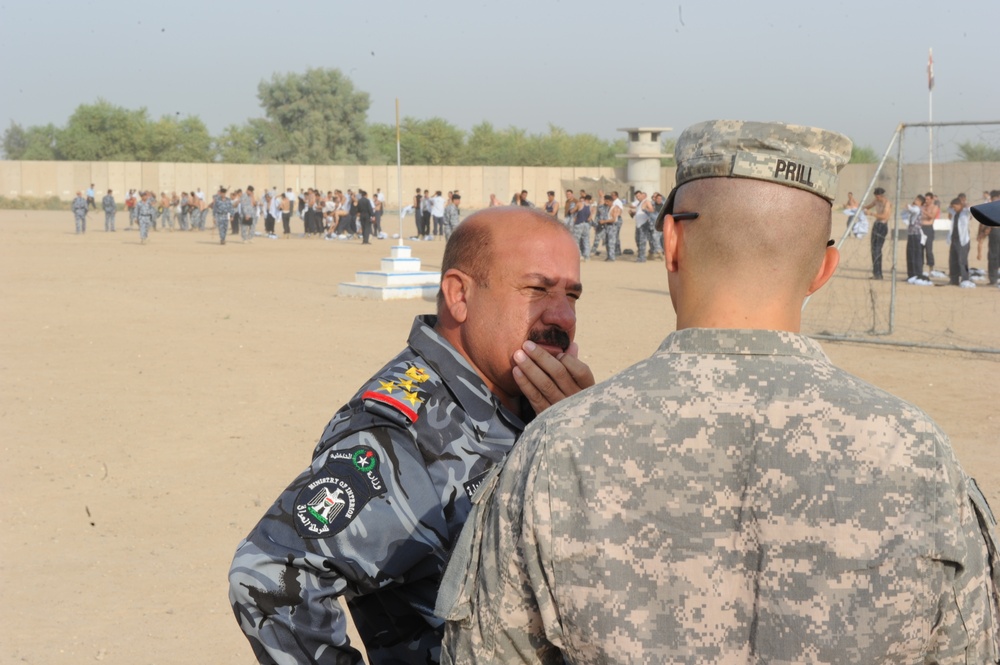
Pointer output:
x,y
561,312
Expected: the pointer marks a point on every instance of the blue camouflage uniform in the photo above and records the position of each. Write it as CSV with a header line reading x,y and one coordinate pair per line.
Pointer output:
x,y
373,519
184,218
643,232
580,226
146,212
167,217
79,207
108,204
606,230
222,210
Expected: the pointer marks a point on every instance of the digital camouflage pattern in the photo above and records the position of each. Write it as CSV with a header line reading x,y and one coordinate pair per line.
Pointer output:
x,y
222,210
108,204
373,518
79,208
146,214
733,498
807,158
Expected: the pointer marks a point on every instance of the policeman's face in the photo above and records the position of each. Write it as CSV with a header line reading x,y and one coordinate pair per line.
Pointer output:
x,y
531,293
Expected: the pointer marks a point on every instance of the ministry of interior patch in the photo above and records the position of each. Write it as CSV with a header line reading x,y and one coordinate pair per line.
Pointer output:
x,y
337,492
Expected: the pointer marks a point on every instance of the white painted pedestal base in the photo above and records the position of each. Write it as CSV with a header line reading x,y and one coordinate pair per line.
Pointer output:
x,y
399,279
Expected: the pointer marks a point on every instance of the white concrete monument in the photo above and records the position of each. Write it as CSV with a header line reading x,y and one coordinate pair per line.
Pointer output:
x,y
399,279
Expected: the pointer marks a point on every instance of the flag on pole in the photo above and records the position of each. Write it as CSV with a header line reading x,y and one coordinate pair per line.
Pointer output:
x,y
930,69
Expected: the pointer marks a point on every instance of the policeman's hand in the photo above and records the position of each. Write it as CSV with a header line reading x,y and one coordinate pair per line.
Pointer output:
x,y
545,379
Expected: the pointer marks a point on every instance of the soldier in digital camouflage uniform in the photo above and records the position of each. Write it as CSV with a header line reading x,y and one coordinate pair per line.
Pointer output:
x,y
372,520
452,215
734,498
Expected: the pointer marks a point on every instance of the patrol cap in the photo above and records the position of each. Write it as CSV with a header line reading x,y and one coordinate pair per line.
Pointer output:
x,y
806,158
987,213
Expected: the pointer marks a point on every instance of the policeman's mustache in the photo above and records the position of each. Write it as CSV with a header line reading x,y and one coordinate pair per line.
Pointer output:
x,y
551,336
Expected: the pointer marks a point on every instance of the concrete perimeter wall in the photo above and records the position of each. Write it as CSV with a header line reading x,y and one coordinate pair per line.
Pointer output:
x,y
476,183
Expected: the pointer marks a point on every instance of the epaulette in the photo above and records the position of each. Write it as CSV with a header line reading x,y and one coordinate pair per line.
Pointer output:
x,y
398,391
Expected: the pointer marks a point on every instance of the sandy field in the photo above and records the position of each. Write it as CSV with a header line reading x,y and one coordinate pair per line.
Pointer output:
x,y
155,399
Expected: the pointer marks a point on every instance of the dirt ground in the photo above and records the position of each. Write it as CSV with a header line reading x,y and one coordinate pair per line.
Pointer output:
x,y
155,399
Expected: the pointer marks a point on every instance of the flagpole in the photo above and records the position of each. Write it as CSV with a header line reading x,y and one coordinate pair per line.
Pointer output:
x,y
399,176
930,118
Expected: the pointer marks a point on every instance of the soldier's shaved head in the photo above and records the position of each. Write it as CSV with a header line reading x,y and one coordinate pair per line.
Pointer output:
x,y
752,231
756,250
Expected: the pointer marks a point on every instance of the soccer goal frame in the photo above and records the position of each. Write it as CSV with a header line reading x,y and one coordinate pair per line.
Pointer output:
x,y
883,335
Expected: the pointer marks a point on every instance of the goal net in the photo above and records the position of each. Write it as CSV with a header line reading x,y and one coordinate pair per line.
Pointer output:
x,y
920,157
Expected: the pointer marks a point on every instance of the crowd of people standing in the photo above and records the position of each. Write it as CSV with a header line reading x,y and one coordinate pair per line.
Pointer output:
x,y
333,215
919,217
336,215
339,215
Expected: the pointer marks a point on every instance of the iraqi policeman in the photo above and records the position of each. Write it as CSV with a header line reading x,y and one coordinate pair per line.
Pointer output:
x,y
733,498
146,213
110,208
246,212
222,210
79,208
371,521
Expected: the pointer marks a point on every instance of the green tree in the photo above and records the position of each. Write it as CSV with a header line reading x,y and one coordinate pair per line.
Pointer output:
x,y
667,146
259,141
483,146
487,146
978,152
105,132
172,140
321,116
435,141
15,141
590,150
381,143
863,155
41,143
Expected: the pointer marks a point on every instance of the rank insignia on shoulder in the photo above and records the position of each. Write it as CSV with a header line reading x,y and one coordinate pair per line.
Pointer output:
x,y
402,394
336,495
418,374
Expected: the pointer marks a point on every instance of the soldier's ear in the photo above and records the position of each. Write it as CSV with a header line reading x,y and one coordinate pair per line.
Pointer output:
x,y
831,259
455,286
671,232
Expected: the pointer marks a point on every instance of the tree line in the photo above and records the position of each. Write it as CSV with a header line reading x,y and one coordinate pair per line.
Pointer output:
x,y
319,117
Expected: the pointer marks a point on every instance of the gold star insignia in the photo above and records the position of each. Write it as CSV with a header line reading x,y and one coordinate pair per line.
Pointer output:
x,y
388,386
418,374
406,384
413,398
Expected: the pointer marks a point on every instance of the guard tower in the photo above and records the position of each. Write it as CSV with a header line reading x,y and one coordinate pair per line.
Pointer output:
x,y
644,157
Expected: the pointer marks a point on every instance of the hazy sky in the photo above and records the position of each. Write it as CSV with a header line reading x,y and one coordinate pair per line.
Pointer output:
x,y
859,67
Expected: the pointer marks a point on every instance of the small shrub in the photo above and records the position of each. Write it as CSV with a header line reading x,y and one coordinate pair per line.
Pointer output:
x,y
33,203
